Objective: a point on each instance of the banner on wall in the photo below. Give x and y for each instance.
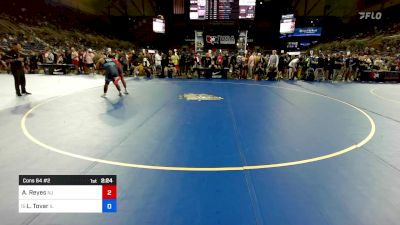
(219, 40)
(307, 31)
(198, 41)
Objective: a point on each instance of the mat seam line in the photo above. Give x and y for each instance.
(382, 160)
(246, 173)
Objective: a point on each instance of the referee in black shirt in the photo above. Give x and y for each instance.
(16, 61)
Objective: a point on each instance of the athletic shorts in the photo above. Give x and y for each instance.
(111, 77)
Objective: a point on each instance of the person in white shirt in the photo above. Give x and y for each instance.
(157, 62)
(49, 56)
(293, 67)
(252, 63)
(88, 57)
(378, 63)
(273, 62)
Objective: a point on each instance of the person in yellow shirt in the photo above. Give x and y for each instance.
(175, 60)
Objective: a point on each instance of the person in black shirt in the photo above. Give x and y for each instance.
(233, 60)
(354, 67)
(133, 63)
(319, 73)
(329, 62)
(182, 63)
(164, 64)
(282, 64)
(209, 72)
(225, 60)
(189, 64)
(16, 60)
(33, 63)
(68, 57)
(337, 67)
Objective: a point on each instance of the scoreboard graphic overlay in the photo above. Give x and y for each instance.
(67, 193)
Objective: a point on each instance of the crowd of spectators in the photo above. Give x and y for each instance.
(328, 65)
(310, 65)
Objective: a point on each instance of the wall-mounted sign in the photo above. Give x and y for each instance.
(220, 39)
(306, 31)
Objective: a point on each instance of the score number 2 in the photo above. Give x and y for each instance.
(109, 191)
(109, 198)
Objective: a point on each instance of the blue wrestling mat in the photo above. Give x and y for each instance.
(219, 152)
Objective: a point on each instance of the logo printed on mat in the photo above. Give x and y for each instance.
(199, 97)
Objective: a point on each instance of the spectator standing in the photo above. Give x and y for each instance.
(196, 63)
(164, 63)
(182, 62)
(48, 59)
(207, 60)
(133, 62)
(189, 64)
(88, 57)
(3, 64)
(329, 66)
(293, 67)
(175, 60)
(251, 63)
(157, 62)
(319, 72)
(147, 64)
(68, 57)
(245, 68)
(81, 62)
(273, 64)
(225, 60)
(259, 70)
(49, 56)
(282, 63)
(123, 59)
(60, 58)
(378, 63)
(337, 67)
(219, 60)
(41, 57)
(233, 64)
(33, 62)
(75, 59)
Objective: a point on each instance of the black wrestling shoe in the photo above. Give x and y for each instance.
(18, 94)
(26, 93)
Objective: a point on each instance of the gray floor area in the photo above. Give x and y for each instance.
(44, 87)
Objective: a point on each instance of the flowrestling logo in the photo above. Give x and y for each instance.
(370, 15)
(220, 39)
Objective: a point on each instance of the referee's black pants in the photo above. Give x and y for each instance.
(19, 80)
